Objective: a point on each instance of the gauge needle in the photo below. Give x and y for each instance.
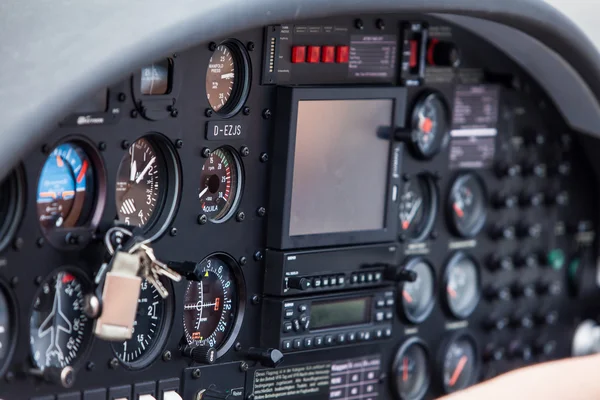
(459, 369)
(202, 193)
(227, 76)
(407, 296)
(413, 212)
(451, 292)
(425, 124)
(405, 369)
(133, 166)
(458, 210)
(145, 171)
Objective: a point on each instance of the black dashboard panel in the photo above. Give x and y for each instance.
(499, 259)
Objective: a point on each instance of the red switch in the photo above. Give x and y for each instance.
(328, 54)
(298, 54)
(342, 54)
(314, 54)
(414, 52)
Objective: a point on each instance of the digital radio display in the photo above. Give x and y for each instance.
(330, 314)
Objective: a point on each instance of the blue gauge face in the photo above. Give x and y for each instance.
(64, 195)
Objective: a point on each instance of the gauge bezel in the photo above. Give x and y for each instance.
(14, 320)
(168, 204)
(14, 184)
(454, 259)
(240, 185)
(165, 328)
(441, 141)
(427, 312)
(431, 211)
(241, 89)
(413, 341)
(60, 238)
(86, 285)
(476, 229)
(442, 357)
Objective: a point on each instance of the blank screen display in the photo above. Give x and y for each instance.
(340, 166)
(330, 314)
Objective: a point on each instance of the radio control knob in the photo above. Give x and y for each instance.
(202, 354)
(507, 170)
(526, 290)
(532, 231)
(270, 358)
(499, 232)
(499, 263)
(299, 283)
(532, 199)
(504, 200)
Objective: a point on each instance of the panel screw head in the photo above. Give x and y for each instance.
(250, 46)
(18, 244)
(246, 111)
(264, 157)
(380, 24)
(45, 149)
(405, 177)
(90, 366)
(114, 363)
(9, 377)
(40, 242)
(238, 346)
(243, 366)
(258, 256)
(266, 113)
(174, 113)
(167, 356)
(125, 144)
(433, 235)
(202, 219)
(208, 112)
(255, 299)
(240, 216)
(179, 143)
(134, 114)
(38, 280)
(173, 232)
(14, 282)
(101, 146)
(122, 97)
(196, 373)
(243, 260)
(212, 46)
(358, 24)
(261, 212)
(244, 151)
(206, 152)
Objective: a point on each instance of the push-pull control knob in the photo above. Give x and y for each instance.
(493, 353)
(64, 377)
(395, 274)
(527, 260)
(270, 358)
(504, 200)
(560, 199)
(547, 318)
(497, 262)
(442, 54)
(201, 354)
(534, 199)
(502, 232)
(493, 293)
(299, 283)
(526, 290)
(507, 170)
(529, 230)
(493, 323)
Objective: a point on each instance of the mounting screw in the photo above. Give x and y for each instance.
(261, 211)
(40, 242)
(202, 219)
(90, 366)
(246, 110)
(238, 346)
(38, 280)
(258, 256)
(250, 397)
(122, 97)
(206, 152)
(134, 114)
(358, 24)
(125, 144)
(380, 24)
(101, 146)
(250, 46)
(405, 177)
(208, 112)
(255, 299)
(173, 231)
(402, 238)
(167, 356)
(174, 113)
(243, 260)
(266, 113)
(114, 363)
(433, 235)
(264, 157)
(243, 366)
(179, 143)
(18, 244)
(212, 46)
(9, 377)
(240, 216)
(45, 149)
(14, 282)
(244, 151)
(196, 373)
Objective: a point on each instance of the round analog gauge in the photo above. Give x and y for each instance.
(467, 205)
(150, 328)
(418, 204)
(59, 329)
(227, 78)
(429, 125)
(462, 285)
(460, 364)
(66, 190)
(11, 208)
(7, 329)
(418, 296)
(411, 368)
(210, 310)
(220, 185)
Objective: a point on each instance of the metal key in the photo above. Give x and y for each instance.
(152, 269)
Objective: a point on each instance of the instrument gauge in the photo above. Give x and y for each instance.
(150, 329)
(220, 185)
(462, 285)
(60, 331)
(213, 308)
(411, 369)
(417, 209)
(430, 125)
(418, 296)
(467, 205)
(460, 364)
(227, 78)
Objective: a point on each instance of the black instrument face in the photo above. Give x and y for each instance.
(467, 205)
(411, 369)
(418, 296)
(462, 285)
(220, 185)
(460, 365)
(430, 123)
(211, 306)
(60, 331)
(149, 329)
(141, 184)
(418, 204)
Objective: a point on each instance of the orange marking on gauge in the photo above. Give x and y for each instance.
(458, 370)
(59, 161)
(82, 172)
(67, 193)
(48, 194)
(451, 292)
(405, 225)
(458, 210)
(427, 125)
(196, 336)
(217, 303)
(407, 296)
(405, 369)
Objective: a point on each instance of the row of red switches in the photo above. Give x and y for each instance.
(316, 54)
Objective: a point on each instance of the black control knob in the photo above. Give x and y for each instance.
(533, 137)
(443, 54)
(493, 353)
(504, 200)
(522, 321)
(559, 199)
(563, 168)
(546, 317)
(553, 288)
(494, 293)
(505, 169)
(299, 283)
(497, 262)
(525, 230)
(526, 290)
(537, 169)
(394, 274)
(535, 199)
(64, 377)
(527, 260)
(544, 347)
(502, 232)
(270, 358)
(202, 354)
(495, 324)
(521, 352)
